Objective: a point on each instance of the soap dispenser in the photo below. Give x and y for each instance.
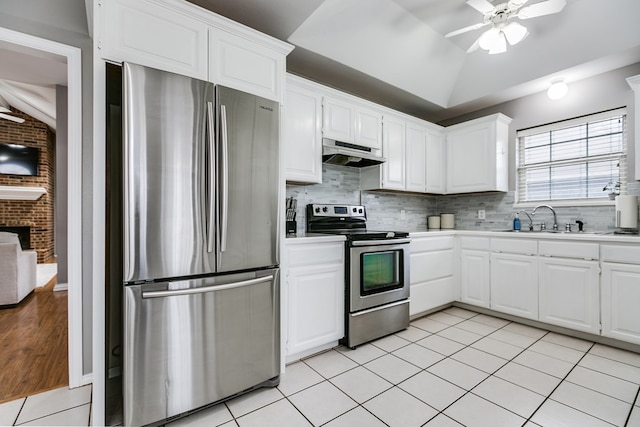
(516, 222)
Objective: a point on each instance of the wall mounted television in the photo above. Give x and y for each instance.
(18, 160)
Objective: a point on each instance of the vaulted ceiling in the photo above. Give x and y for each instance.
(394, 51)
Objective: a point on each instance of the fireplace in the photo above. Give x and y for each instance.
(23, 232)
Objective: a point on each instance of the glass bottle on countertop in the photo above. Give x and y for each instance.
(516, 222)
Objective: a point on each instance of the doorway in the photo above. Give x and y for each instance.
(72, 56)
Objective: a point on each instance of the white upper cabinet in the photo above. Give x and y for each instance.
(477, 155)
(155, 34)
(347, 121)
(247, 65)
(435, 163)
(302, 132)
(179, 37)
(416, 157)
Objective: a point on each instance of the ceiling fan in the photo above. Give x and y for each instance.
(5, 112)
(495, 39)
(4, 115)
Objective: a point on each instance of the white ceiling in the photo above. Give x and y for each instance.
(394, 52)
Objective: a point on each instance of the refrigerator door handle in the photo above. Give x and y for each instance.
(211, 176)
(215, 288)
(224, 196)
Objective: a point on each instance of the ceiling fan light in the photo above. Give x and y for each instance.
(499, 45)
(515, 33)
(558, 89)
(489, 38)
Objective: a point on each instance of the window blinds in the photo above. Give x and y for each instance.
(573, 159)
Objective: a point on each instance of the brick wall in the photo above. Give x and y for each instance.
(37, 214)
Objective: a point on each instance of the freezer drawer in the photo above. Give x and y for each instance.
(194, 342)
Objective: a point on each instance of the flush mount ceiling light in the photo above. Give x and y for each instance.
(558, 89)
(502, 31)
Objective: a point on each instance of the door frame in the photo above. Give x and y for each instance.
(74, 189)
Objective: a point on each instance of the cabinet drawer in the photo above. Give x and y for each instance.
(431, 265)
(515, 246)
(628, 254)
(315, 254)
(477, 243)
(579, 250)
(428, 244)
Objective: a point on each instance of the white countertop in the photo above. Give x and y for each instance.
(594, 237)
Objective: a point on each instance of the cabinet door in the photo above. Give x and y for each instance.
(514, 284)
(416, 158)
(316, 306)
(337, 120)
(474, 277)
(470, 159)
(620, 301)
(368, 127)
(245, 65)
(435, 164)
(302, 137)
(394, 150)
(569, 293)
(150, 34)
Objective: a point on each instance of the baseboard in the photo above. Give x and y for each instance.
(61, 287)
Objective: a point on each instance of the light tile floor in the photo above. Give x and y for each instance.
(452, 368)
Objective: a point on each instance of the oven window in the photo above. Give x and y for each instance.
(380, 271)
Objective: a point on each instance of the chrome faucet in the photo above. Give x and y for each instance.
(530, 219)
(555, 219)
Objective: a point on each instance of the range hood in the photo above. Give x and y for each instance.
(347, 154)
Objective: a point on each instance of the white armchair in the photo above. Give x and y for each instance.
(17, 270)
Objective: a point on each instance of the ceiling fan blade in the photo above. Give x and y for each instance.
(515, 4)
(4, 109)
(482, 6)
(12, 118)
(465, 29)
(474, 46)
(543, 8)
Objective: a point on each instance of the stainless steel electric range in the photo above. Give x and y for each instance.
(376, 272)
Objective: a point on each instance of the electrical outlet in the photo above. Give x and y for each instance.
(482, 214)
(402, 214)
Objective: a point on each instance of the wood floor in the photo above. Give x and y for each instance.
(33, 345)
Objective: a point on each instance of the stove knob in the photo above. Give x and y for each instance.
(355, 210)
(325, 209)
(317, 210)
(360, 210)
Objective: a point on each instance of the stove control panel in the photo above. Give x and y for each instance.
(338, 211)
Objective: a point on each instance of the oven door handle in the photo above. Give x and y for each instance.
(380, 242)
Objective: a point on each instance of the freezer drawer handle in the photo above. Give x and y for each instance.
(191, 291)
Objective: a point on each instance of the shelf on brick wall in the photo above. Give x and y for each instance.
(21, 193)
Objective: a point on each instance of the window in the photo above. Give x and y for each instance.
(573, 159)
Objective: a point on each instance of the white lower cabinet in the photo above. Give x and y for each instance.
(569, 293)
(432, 273)
(621, 292)
(314, 289)
(514, 284)
(475, 271)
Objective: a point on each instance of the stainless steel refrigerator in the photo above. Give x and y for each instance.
(201, 309)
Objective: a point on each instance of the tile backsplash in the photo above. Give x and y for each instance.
(341, 185)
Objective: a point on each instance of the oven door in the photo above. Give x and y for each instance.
(378, 273)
